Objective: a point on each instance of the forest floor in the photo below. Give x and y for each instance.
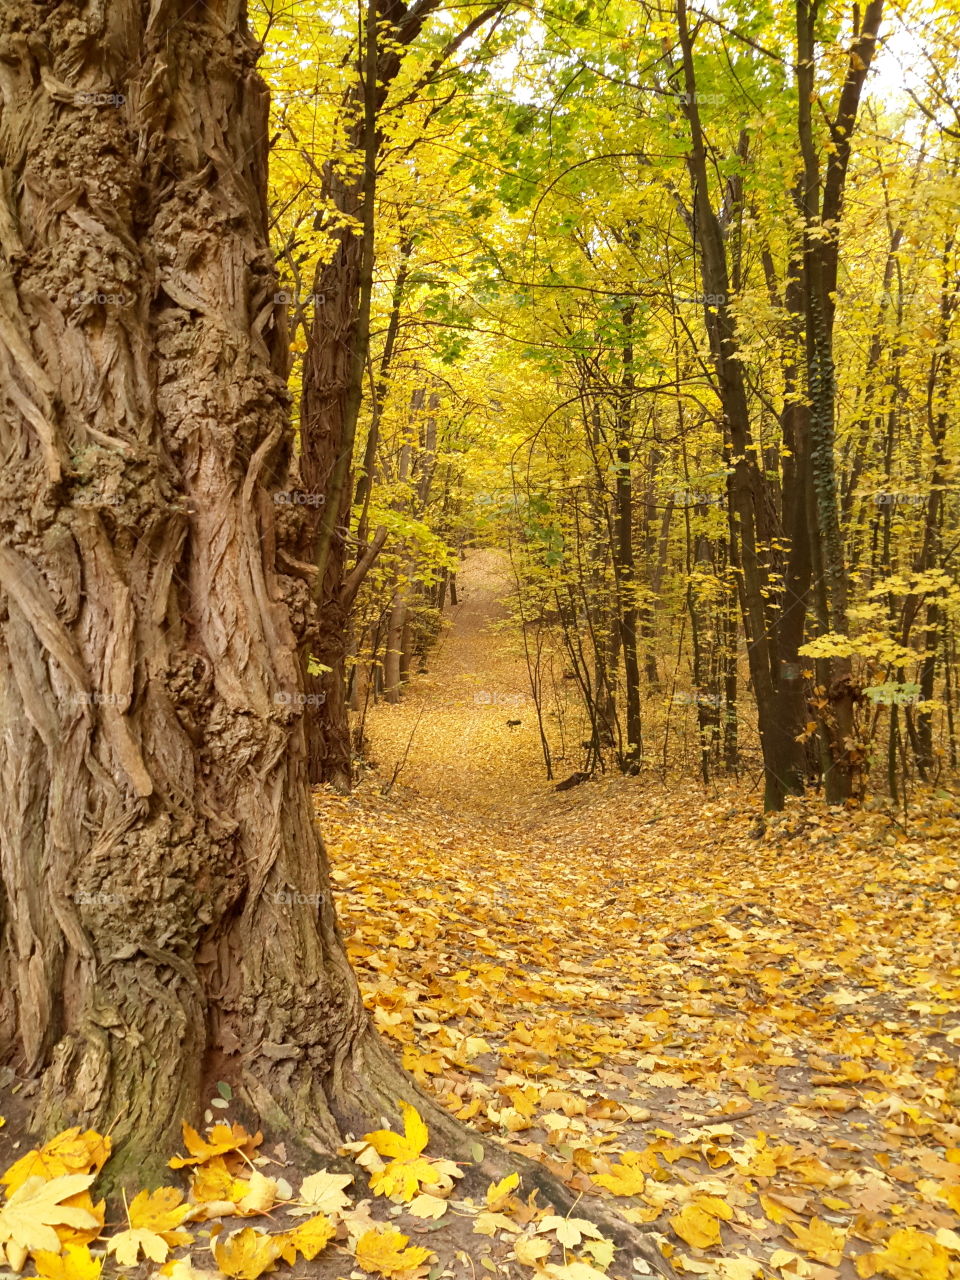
(745, 1039)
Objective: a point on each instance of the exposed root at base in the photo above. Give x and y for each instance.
(368, 1087)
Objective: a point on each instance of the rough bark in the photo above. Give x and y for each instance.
(165, 899)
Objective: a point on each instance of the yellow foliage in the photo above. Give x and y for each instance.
(385, 1253)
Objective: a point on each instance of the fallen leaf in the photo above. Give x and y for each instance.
(31, 1213)
(75, 1263)
(247, 1254)
(384, 1253)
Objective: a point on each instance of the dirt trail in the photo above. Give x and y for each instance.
(452, 723)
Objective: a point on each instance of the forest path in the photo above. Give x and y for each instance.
(749, 1042)
(450, 731)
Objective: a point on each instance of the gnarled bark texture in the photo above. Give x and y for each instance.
(165, 903)
(165, 912)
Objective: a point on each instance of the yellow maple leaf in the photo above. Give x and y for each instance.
(427, 1206)
(31, 1213)
(403, 1146)
(154, 1218)
(220, 1139)
(126, 1246)
(622, 1180)
(647, 1160)
(776, 1212)
(499, 1193)
(322, 1193)
(384, 1253)
(402, 1179)
(532, 1252)
(407, 1170)
(488, 1224)
(69, 1152)
(247, 1255)
(260, 1195)
(713, 1205)
(161, 1211)
(820, 1241)
(215, 1190)
(75, 1263)
(308, 1239)
(696, 1227)
(912, 1255)
(84, 1235)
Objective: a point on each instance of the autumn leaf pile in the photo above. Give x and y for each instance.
(50, 1223)
(748, 1043)
(48, 1219)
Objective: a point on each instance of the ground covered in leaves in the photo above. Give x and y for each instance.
(743, 1039)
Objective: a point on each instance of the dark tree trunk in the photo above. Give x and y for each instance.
(820, 201)
(165, 901)
(752, 523)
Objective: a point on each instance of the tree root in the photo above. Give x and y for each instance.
(376, 1083)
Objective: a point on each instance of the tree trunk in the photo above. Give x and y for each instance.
(820, 200)
(752, 527)
(624, 559)
(165, 905)
(393, 656)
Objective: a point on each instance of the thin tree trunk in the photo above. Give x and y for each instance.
(624, 559)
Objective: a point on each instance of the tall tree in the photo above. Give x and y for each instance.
(165, 907)
(338, 344)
